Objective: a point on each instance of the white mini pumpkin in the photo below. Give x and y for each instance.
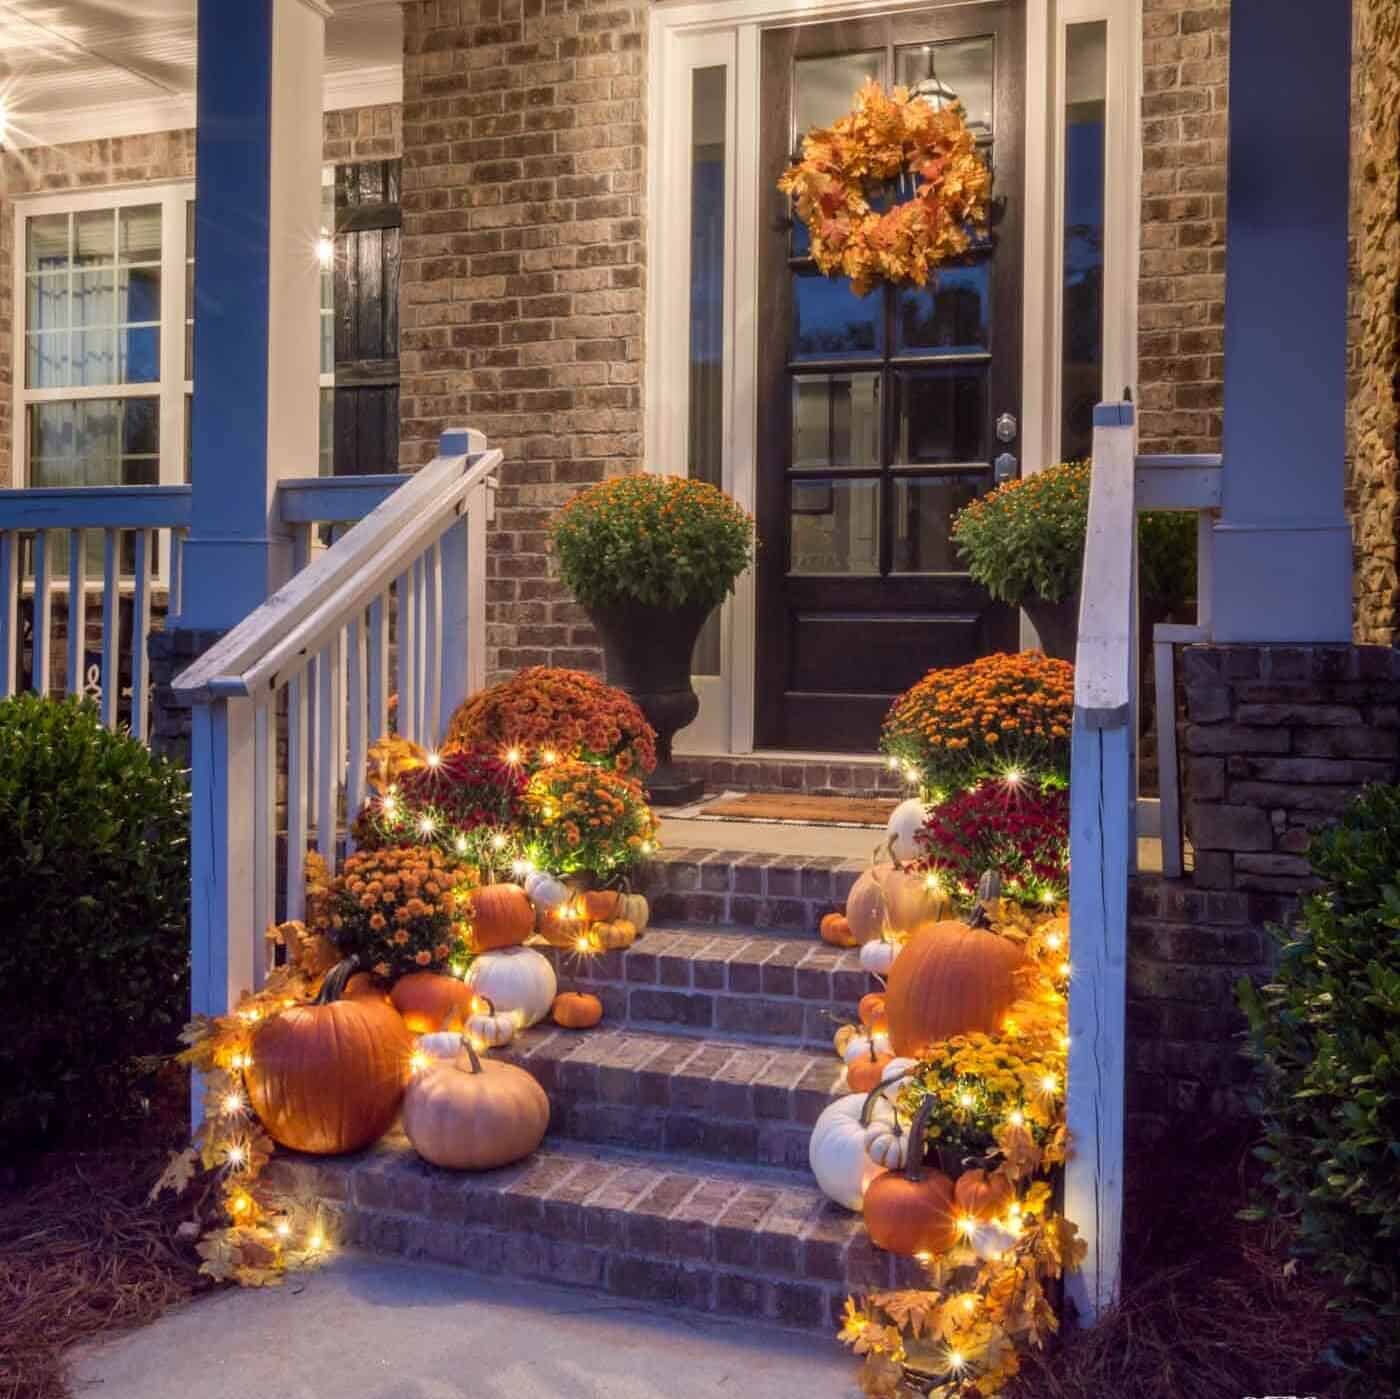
(990, 1240)
(878, 957)
(517, 981)
(488, 1027)
(441, 1044)
(886, 1137)
(545, 891)
(906, 821)
(859, 1046)
(837, 1153)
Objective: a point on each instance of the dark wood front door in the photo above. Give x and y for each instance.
(878, 415)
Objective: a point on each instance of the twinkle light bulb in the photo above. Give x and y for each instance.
(1050, 1083)
(427, 825)
(325, 251)
(434, 759)
(498, 841)
(316, 1242)
(1054, 941)
(417, 1061)
(965, 1100)
(1047, 897)
(240, 1204)
(549, 756)
(1064, 969)
(1017, 1118)
(1013, 777)
(512, 756)
(967, 1225)
(460, 845)
(284, 1229)
(522, 869)
(237, 1154)
(233, 1104)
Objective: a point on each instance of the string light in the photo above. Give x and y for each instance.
(1054, 941)
(284, 1229)
(498, 841)
(316, 1242)
(434, 759)
(892, 764)
(522, 869)
(1050, 1084)
(967, 1225)
(966, 1099)
(460, 845)
(389, 806)
(513, 756)
(236, 1155)
(933, 884)
(924, 1257)
(1047, 897)
(325, 251)
(417, 1061)
(1013, 777)
(240, 1204)
(426, 825)
(233, 1104)
(1064, 969)
(1017, 1118)
(549, 756)
(957, 1362)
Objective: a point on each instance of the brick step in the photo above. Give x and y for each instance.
(707, 1098)
(820, 775)
(748, 889)
(771, 990)
(733, 1241)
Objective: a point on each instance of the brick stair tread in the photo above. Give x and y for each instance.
(724, 1239)
(721, 1099)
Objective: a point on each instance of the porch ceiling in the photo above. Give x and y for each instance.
(66, 56)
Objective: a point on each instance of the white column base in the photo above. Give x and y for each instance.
(1281, 583)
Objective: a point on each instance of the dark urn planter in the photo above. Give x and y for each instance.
(1056, 624)
(647, 651)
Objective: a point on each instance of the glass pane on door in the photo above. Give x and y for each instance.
(835, 527)
(942, 416)
(963, 68)
(923, 508)
(835, 421)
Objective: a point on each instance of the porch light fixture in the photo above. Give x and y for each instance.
(325, 255)
(932, 88)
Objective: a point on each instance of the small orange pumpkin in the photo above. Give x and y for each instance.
(981, 1195)
(428, 1000)
(600, 905)
(865, 1073)
(872, 1011)
(912, 1211)
(837, 931)
(576, 1010)
(501, 916)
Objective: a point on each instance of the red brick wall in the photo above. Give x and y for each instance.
(523, 277)
(358, 134)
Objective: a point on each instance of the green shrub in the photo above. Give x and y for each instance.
(1026, 540)
(94, 908)
(1324, 1035)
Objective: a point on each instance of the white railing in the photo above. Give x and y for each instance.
(312, 664)
(141, 530)
(1106, 817)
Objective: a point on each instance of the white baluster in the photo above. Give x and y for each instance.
(328, 719)
(453, 665)
(298, 780)
(9, 612)
(301, 547)
(356, 703)
(140, 630)
(77, 610)
(111, 625)
(378, 676)
(43, 611)
(432, 646)
(407, 626)
(264, 835)
(478, 505)
(313, 741)
(420, 668)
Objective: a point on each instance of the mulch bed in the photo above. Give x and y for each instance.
(83, 1253)
(1211, 1308)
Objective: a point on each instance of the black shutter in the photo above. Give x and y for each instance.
(368, 223)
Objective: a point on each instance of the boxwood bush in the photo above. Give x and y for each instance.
(1324, 1035)
(94, 919)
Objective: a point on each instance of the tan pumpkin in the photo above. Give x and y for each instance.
(599, 905)
(428, 1000)
(328, 1077)
(837, 931)
(501, 916)
(612, 936)
(634, 909)
(912, 1211)
(466, 1114)
(890, 898)
(950, 979)
(575, 1010)
(982, 1196)
(843, 1037)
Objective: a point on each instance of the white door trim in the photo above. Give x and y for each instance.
(685, 34)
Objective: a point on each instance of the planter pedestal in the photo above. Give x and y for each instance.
(647, 651)
(1056, 624)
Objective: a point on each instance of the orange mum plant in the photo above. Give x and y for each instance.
(584, 818)
(1000, 715)
(886, 136)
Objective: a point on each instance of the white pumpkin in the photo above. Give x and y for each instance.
(906, 821)
(517, 981)
(886, 1137)
(859, 1046)
(488, 1027)
(878, 957)
(837, 1153)
(545, 891)
(441, 1044)
(990, 1240)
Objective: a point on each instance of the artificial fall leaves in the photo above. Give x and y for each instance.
(884, 137)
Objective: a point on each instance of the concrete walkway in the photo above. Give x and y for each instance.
(369, 1328)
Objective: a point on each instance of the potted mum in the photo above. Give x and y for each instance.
(650, 557)
(1024, 542)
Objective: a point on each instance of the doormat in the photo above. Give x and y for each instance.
(792, 809)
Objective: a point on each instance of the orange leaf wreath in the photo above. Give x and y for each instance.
(884, 136)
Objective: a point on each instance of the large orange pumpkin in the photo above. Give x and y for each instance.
(951, 979)
(327, 1077)
(501, 916)
(428, 1000)
(912, 1211)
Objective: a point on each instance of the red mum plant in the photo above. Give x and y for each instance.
(1010, 825)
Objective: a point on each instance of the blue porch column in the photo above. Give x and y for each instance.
(257, 296)
(1283, 560)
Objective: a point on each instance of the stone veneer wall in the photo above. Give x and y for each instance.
(523, 278)
(363, 133)
(1374, 358)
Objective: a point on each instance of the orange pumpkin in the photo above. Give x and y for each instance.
(912, 1211)
(613, 936)
(362, 985)
(575, 1010)
(872, 1011)
(501, 916)
(951, 979)
(981, 1195)
(556, 929)
(865, 1073)
(327, 1077)
(837, 931)
(428, 1000)
(599, 905)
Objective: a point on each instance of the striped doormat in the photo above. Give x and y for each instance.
(792, 808)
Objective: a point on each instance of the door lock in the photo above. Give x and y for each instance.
(1007, 427)
(1005, 467)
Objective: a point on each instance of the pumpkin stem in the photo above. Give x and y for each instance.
(334, 983)
(490, 1004)
(914, 1166)
(869, 1105)
(473, 1065)
(988, 892)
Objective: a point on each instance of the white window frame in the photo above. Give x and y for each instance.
(686, 34)
(172, 385)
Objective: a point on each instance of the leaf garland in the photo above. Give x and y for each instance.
(843, 166)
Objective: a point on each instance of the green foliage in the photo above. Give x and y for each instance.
(1324, 1034)
(94, 903)
(1026, 540)
(663, 540)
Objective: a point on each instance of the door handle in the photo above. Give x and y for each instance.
(1006, 468)
(1007, 427)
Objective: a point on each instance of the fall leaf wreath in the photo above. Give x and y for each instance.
(885, 136)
